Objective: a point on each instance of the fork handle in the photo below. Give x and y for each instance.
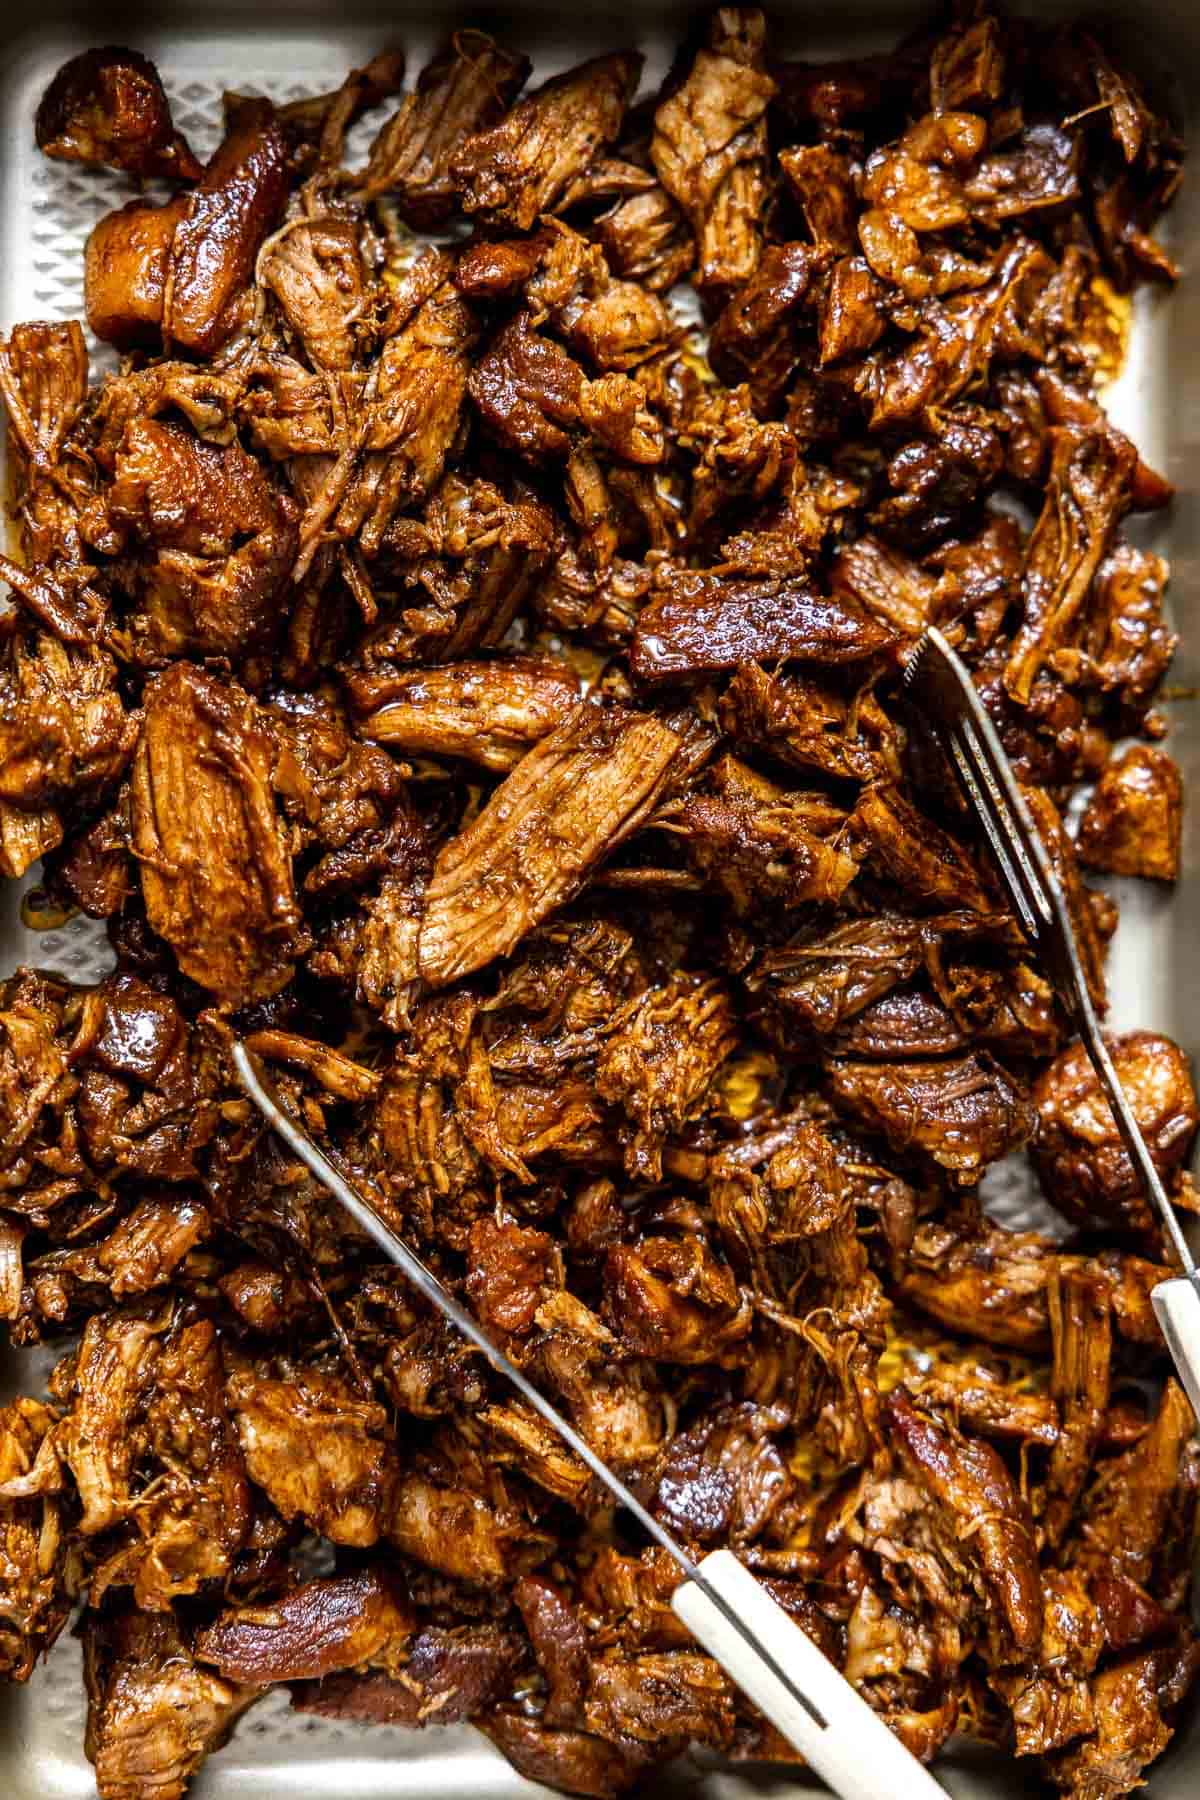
(852, 1750)
(1176, 1306)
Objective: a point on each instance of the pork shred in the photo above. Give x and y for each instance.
(459, 651)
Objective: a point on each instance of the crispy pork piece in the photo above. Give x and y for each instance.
(484, 712)
(35, 1557)
(219, 540)
(709, 148)
(513, 173)
(698, 621)
(976, 1501)
(613, 325)
(811, 723)
(108, 107)
(575, 796)
(660, 1060)
(153, 1713)
(337, 1622)
(963, 1114)
(216, 872)
(1134, 821)
(233, 206)
(126, 266)
(528, 391)
(725, 1479)
(44, 382)
(1080, 1158)
(318, 1451)
(1129, 644)
(1052, 1703)
(447, 1676)
(574, 1762)
(461, 93)
(665, 1699)
(143, 1252)
(1087, 493)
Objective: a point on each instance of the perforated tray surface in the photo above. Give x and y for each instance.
(286, 51)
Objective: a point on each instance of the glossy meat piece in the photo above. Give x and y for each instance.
(153, 1713)
(974, 1493)
(1081, 1160)
(724, 1480)
(1052, 1703)
(219, 541)
(33, 1546)
(233, 206)
(447, 1676)
(575, 796)
(1133, 822)
(464, 90)
(318, 1452)
(671, 1300)
(646, 238)
(810, 724)
(1125, 1511)
(108, 106)
(460, 1533)
(659, 1061)
(143, 1252)
(828, 978)
(964, 1114)
(1129, 644)
(1087, 493)
(510, 1272)
(44, 382)
(574, 1762)
(889, 585)
(528, 391)
(1129, 1701)
(485, 712)
(216, 873)
(822, 182)
(752, 340)
(514, 172)
(709, 148)
(613, 325)
(698, 621)
(665, 1700)
(337, 1622)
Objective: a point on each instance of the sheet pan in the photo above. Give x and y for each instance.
(288, 48)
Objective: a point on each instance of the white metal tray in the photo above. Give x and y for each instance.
(289, 48)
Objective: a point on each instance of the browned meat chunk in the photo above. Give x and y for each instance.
(1134, 821)
(709, 148)
(924, 862)
(1124, 1515)
(571, 800)
(108, 106)
(228, 214)
(646, 238)
(1081, 1159)
(318, 1452)
(340, 1622)
(659, 1061)
(757, 842)
(216, 873)
(701, 620)
(485, 712)
(752, 340)
(153, 1713)
(514, 172)
(528, 391)
(572, 1761)
(671, 1300)
(977, 1501)
(220, 541)
(964, 1114)
(462, 92)
(828, 978)
(447, 1676)
(1129, 1700)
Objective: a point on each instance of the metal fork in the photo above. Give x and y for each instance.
(940, 683)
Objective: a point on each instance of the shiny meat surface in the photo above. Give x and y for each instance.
(458, 652)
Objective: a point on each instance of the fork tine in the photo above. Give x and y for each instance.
(1027, 902)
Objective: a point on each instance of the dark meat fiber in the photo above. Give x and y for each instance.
(469, 670)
